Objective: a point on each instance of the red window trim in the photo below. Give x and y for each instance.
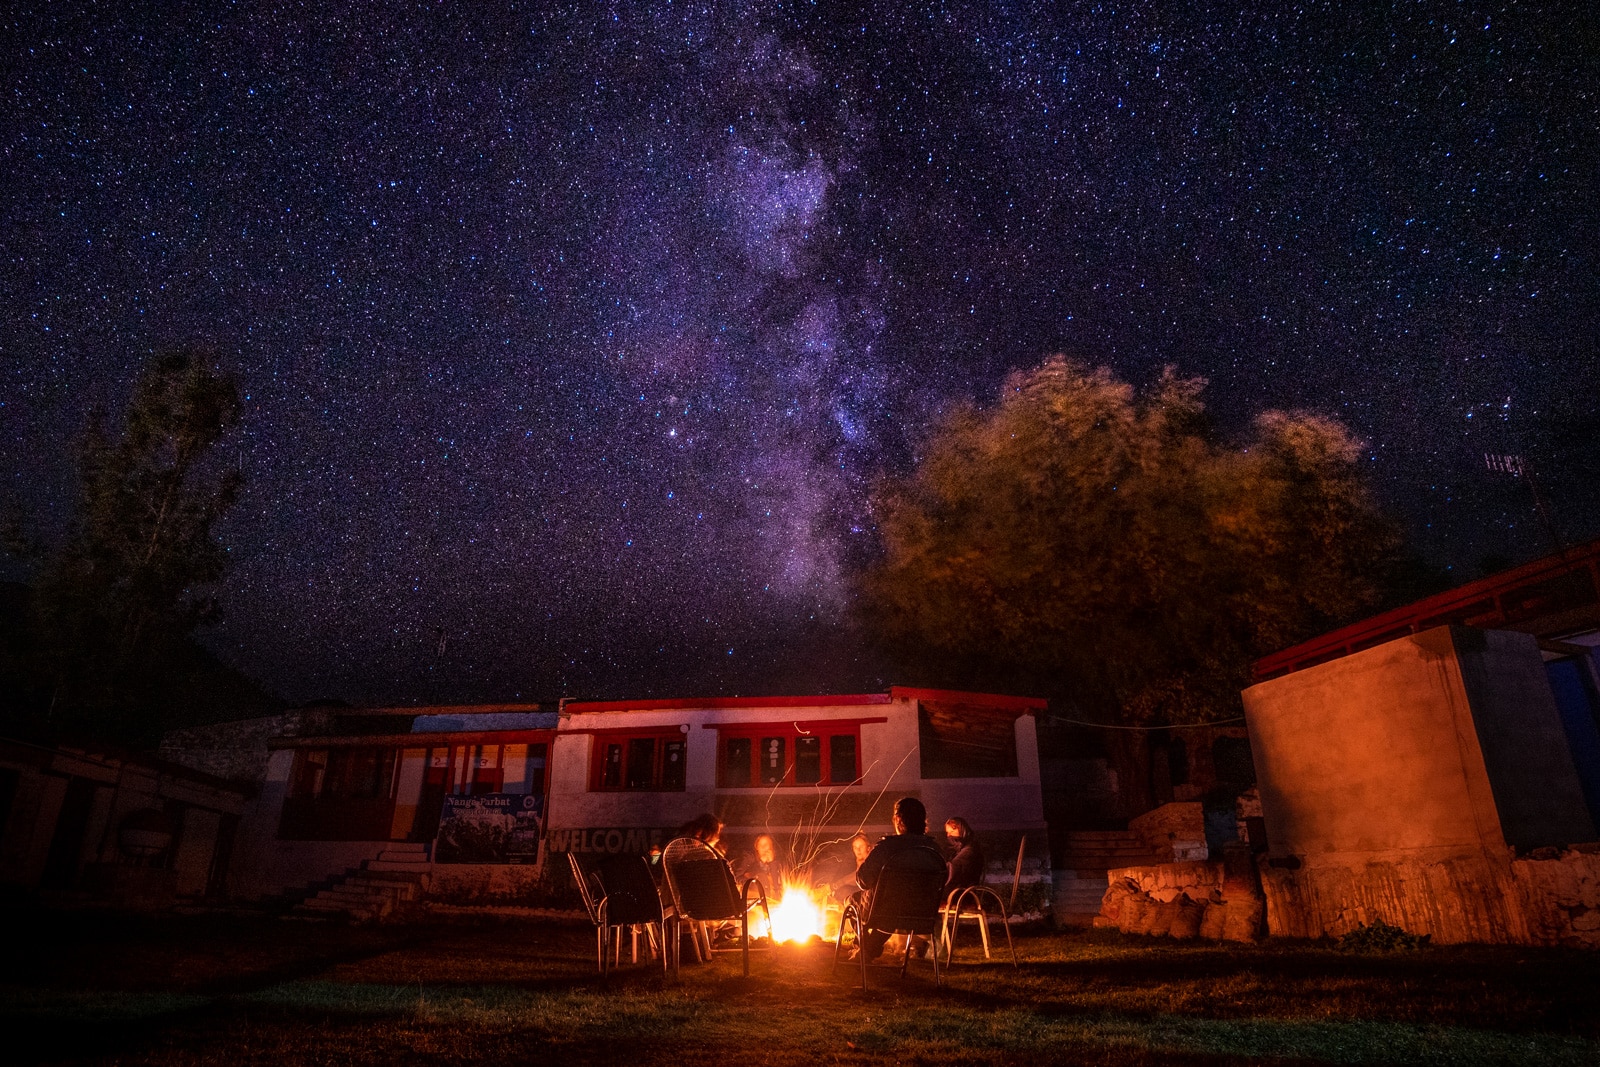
(790, 731)
(597, 757)
(805, 725)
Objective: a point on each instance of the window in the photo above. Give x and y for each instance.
(736, 761)
(643, 761)
(788, 754)
(343, 773)
(484, 768)
(966, 741)
(522, 769)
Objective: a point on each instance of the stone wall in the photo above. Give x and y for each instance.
(1551, 897)
(236, 750)
(1175, 832)
(1211, 900)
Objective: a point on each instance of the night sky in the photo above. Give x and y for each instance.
(572, 338)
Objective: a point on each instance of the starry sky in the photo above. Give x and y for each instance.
(572, 337)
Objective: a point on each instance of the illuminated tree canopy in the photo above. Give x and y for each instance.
(1084, 540)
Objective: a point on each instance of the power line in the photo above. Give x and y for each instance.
(1172, 726)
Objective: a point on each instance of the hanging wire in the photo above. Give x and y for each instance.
(1172, 726)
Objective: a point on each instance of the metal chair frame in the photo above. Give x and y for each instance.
(969, 903)
(905, 900)
(597, 901)
(704, 891)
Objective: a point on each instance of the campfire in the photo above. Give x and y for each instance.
(798, 915)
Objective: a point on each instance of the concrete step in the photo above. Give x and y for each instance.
(319, 904)
(1075, 901)
(350, 895)
(355, 909)
(367, 876)
(399, 866)
(405, 848)
(1077, 896)
(393, 855)
(369, 893)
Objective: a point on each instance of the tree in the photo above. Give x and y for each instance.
(1093, 544)
(115, 606)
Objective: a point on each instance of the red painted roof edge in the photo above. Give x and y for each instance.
(1428, 607)
(715, 703)
(958, 696)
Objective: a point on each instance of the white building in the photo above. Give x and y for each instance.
(810, 770)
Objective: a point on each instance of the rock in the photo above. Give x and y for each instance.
(1134, 916)
(1243, 922)
(1212, 922)
(1161, 919)
(1187, 919)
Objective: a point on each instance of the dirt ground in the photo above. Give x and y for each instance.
(102, 988)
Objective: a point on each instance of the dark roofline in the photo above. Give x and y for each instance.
(356, 711)
(106, 755)
(834, 700)
(1490, 603)
(424, 740)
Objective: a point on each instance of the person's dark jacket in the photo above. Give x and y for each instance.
(867, 873)
(966, 869)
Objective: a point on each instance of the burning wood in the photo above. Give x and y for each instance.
(798, 915)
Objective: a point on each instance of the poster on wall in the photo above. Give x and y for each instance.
(490, 828)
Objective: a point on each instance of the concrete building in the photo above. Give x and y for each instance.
(355, 804)
(810, 770)
(363, 810)
(1440, 778)
(92, 822)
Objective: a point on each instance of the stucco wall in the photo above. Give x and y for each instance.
(1531, 770)
(888, 760)
(890, 768)
(1399, 783)
(1383, 750)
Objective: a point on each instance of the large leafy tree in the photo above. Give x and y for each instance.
(1089, 542)
(115, 606)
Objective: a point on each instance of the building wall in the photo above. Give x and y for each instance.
(889, 764)
(264, 866)
(1396, 782)
(1531, 770)
(578, 819)
(118, 786)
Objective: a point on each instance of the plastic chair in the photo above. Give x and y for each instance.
(905, 900)
(980, 902)
(704, 891)
(620, 895)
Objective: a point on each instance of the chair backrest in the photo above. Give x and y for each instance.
(622, 882)
(631, 894)
(583, 873)
(700, 880)
(1016, 877)
(909, 892)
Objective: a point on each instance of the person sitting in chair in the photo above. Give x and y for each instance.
(765, 866)
(966, 866)
(910, 831)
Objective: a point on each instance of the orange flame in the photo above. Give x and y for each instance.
(797, 916)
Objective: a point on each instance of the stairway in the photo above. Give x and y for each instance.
(375, 890)
(1081, 865)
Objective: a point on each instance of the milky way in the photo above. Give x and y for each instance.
(574, 338)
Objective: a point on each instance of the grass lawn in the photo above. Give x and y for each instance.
(100, 988)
